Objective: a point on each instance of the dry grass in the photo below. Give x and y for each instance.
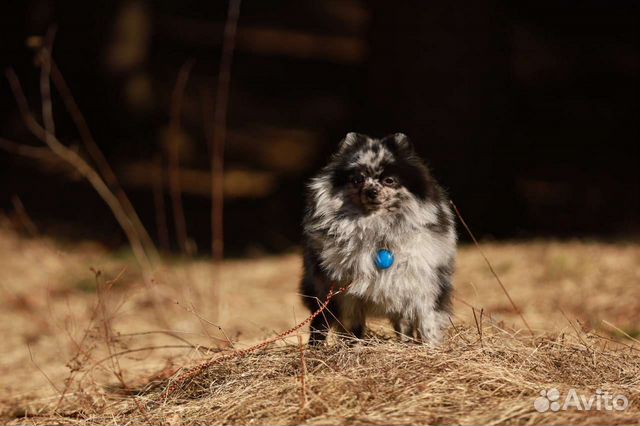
(112, 357)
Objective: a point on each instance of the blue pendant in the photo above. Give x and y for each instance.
(384, 259)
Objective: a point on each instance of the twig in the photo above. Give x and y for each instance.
(631, 347)
(216, 137)
(198, 369)
(98, 157)
(173, 149)
(504, 289)
(142, 349)
(303, 371)
(23, 216)
(79, 350)
(109, 341)
(575, 329)
(25, 150)
(158, 201)
(458, 332)
(464, 302)
(45, 83)
(169, 333)
(203, 321)
(50, 139)
(219, 130)
(77, 162)
(475, 318)
(481, 326)
(41, 370)
(79, 345)
(619, 330)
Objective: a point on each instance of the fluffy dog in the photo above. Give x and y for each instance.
(378, 223)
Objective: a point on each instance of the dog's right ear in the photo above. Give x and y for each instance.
(350, 140)
(399, 140)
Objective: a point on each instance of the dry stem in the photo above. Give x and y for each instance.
(78, 163)
(99, 159)
(219, 130)
(174, 157)
(504, 289)
(217, 141)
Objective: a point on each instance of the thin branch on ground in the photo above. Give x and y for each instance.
(621, 331)
(303, 371)
(53, 385)
(109, 339)
(192, 310)
(200, 368)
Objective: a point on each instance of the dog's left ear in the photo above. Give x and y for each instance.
(399, 140)
(350, 140)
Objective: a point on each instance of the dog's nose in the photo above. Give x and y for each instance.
(371, 193)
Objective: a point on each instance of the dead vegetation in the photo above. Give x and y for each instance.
(76, 352)
(381, 382)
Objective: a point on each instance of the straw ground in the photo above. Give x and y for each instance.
(83, 342)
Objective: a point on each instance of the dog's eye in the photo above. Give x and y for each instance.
(389, 181)
(357, 179)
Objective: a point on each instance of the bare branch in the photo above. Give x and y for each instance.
(158, 201)
(45, 83)
(174, 156)
(24, 150)
(23, 216)
(98, 157)
(220, 129)
(77, 162)
(217, 141)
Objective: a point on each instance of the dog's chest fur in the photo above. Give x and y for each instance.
(347, 245)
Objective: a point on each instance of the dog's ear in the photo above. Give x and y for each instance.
(398, 140)
(350, 140)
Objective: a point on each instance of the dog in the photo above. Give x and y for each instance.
(378, 224)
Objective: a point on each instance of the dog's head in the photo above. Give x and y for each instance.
(379, 175)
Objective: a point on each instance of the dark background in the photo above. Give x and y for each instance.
(527, 112)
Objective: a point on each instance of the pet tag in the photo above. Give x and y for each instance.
(384, 259)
